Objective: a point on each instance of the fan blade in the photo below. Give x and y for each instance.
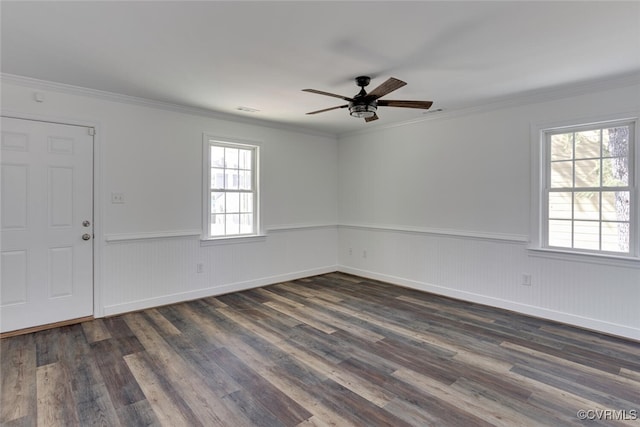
(329, 109)
(372, 118)
(387, 87)
(425, 105)
(319, 92)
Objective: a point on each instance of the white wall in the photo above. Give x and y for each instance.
(148, 248)
(444, 205)
(441, 205)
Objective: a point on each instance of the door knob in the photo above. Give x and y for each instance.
(86, 236)
(86, 223)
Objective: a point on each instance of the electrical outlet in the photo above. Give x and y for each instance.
(364, 254)
(526, 279)
(350, 251)
(199, 268)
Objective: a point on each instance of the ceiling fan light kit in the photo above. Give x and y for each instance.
(365, 105)
(362, 111)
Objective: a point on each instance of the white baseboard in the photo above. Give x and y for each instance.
(567, 318)
(212, 291)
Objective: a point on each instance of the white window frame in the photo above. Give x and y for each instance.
(540, 177)
(209, 140)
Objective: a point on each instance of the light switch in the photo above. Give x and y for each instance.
(117, 198)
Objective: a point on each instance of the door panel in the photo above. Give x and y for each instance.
(14, 277)
(47, 192)
(14, 196)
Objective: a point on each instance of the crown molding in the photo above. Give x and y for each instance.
(150, 103)
(525, 98)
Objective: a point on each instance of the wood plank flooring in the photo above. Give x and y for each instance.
(330, 350)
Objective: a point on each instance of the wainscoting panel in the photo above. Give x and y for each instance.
(592, 293)
(142, 272)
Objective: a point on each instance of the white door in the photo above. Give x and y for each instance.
(46, 223)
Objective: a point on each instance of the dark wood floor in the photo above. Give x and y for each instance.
(328, 350)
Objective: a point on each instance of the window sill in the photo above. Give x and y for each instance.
(589, 258)
(215, 241)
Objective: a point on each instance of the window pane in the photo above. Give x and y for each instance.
(615, 172)
(562, 146)
(586, 235)
(217, 225)
(246, 223)
(232, 179)
(615, 142)
(217, 178)
(587, 173)
(560, 233)
(615, 205)
(245, 159)
(587, 144)
(615, 236)
(246, 202)
(245, 180)
(233, 203)
(562, 174)
(560, 205)
(217, 157)
(231, 157)
(587, 205)
(232, 224)
(217, 203)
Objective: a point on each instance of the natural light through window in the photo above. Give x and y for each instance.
(589, 188)
(232, 189)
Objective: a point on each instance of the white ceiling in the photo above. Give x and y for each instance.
(219, 55)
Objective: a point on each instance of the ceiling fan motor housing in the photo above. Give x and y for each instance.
(362, 101)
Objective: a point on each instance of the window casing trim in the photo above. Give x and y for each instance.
(207, 141)
(539, 180)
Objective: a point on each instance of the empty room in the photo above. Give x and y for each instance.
(320, 213)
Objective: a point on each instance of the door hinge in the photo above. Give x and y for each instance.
(92, 131)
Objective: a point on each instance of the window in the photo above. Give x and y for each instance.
(589, 189)
(231, 188)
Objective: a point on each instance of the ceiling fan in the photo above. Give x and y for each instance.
(365, 105)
